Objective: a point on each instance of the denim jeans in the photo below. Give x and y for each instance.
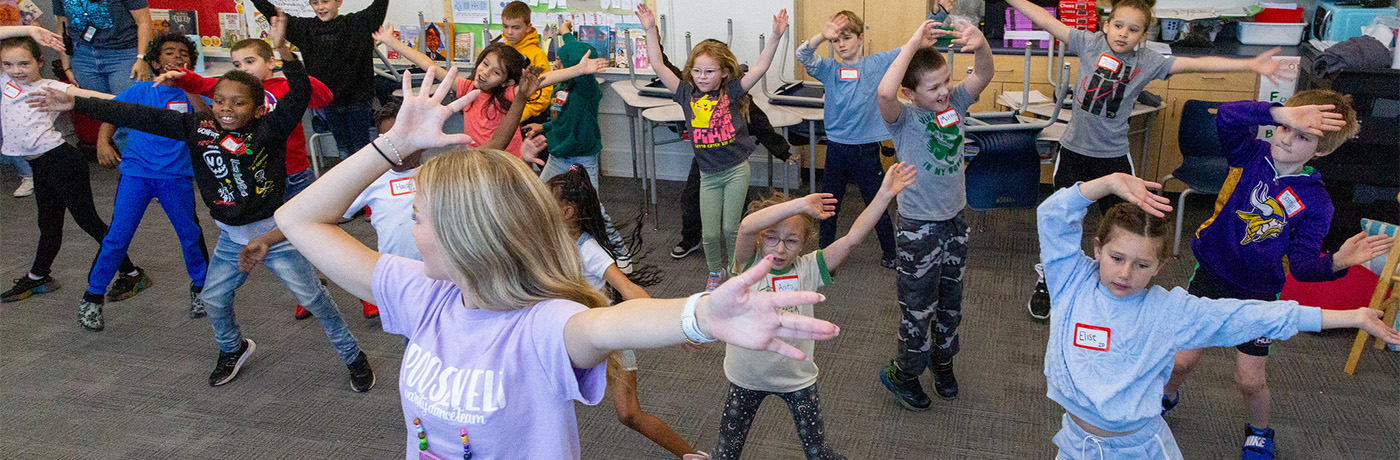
(21, 165)
(295, 272)
(847, 163)
(105, 71)
(296, 182)
(352, 125)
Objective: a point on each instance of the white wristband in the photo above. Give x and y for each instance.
(689, 326)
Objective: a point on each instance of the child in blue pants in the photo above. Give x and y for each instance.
(152, 167)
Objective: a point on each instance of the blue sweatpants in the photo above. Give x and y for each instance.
(133, 195)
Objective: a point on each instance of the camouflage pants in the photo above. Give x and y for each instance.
(932, 257)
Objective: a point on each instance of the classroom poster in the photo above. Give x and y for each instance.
(1279, 90)
(19, 13)
(434, 41)
(174, 21)
(409, 34)
(231, 29)
(464, 47)
(470, 11)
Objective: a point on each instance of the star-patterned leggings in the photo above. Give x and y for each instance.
(742, 403)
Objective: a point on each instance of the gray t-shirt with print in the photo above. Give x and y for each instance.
(933, 143)
(1108, 87)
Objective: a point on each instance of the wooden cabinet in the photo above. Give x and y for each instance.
(888, 23)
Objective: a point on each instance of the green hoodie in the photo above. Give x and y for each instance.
(575, 133)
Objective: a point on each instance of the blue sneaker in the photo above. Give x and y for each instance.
(1258, 444)
(907, 389)
(1170, 403)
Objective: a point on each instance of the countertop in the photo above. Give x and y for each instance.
(1228, 47)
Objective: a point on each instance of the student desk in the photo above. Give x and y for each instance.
(636, 103)
(811, 115)
(1045, 109)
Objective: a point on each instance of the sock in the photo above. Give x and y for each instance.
(35, 278)
(134, 272)
(1266, 432)
(92, 298)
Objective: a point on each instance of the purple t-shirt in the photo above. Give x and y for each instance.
(504, 376)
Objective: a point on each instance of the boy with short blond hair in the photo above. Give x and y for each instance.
(1270, 218)
(519, 34)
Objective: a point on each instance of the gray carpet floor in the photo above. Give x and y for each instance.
(138, 389)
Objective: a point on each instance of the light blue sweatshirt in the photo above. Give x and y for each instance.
(851, 115)
(1108, 358)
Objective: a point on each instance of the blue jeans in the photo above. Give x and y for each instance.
(105, 71)
(134, 194)
(351, 125)
(296, 182)
(860, 164)
(294, 271)
(21, 165)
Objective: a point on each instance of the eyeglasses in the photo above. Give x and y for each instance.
(770, 240)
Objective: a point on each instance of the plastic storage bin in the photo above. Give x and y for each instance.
(1268, 33)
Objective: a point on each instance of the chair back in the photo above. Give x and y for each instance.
(1203, 164)
(1005, 174)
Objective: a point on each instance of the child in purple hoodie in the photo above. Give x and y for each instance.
(1270, 218)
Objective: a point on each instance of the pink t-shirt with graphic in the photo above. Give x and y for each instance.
(505, 377)
(481, 118)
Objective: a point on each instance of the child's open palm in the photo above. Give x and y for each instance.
(780, 24)
(926, 35)
(278, 33)
(1311, 119)
(832, 29)
(419, 123)
(969, 36)
(1131, 189)
(819, 205)
(385, 35)
(646, 16)
(169, 75)
(753, 320)
(589, 65)
(1360, 248)
(50, 99)
(899, 176)
(1369, 320)
(529, 81)
(1265, 65)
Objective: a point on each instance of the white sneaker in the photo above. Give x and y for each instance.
(26, 187)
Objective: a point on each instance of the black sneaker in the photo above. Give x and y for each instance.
(25, 288)
(196, 306)
(361, 376)
(90, 315)
(683, 249)
(127, 286)
(1039, 303)
(944, 383)
(906, 388)
(226, 368)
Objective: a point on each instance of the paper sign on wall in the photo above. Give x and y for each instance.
(1280, 89)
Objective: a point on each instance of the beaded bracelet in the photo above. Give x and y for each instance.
(392, 146)
(381, 154)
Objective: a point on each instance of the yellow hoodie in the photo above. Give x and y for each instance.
(530, 47)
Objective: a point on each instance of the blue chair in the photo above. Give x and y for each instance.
(1005, 174)
(1203, 165)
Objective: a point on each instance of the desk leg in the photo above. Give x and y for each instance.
(786, 177)
(652, 171)
(812, 155)
(632, 136)
(1146, 146)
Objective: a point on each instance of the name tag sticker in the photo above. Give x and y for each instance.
(785, 283)
(231, 145)
(948, 118)
(402, 186)
(1290, 202)
(12, 91)
(178, 106)
(561, 97)
(1109, 63)
(1091, 337)
(850, 74)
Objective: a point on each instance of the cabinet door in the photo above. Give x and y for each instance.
(1169, 157)
(889, 23)
(809, 16)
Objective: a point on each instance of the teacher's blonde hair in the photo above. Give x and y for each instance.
(501, 229)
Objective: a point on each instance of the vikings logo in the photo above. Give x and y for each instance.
(1268, 222)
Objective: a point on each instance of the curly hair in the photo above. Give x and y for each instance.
(153, 49)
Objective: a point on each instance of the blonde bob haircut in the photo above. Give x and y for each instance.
(501, 229)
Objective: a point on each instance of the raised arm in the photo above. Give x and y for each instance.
(1264, 64)
(817, 205)
(887, 94)
(972, 40)
(586, 66)
(897, 178)
(309, 220)
(287, 115)
(1042, 18)
(733, 314)
(386, 36)
(186, 79)
(648, 20)
(770, 49)
(157, 121)
(39, 34)
(1060, 220)
(529, 83)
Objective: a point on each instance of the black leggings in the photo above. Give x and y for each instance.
(742, 404)
(61, 183)
(1071, 167)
